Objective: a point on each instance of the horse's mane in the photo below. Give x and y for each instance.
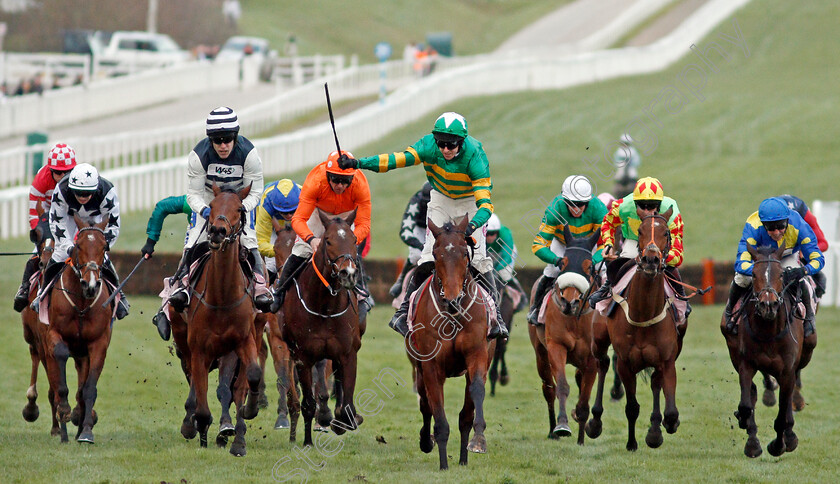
(448, 228)
(766, 250)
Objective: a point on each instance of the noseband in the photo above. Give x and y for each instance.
(82, 271)
(234, 234)
(652, 242)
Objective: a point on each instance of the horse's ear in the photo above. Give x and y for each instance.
(592, 240)
(325, 220)
(101, 225)
(216, 189)
(350, 218)
(244, 192)
(780, 252)
(79, 223)
(276, 224)
(434, 228)
(751, 250)
(668, 213)
(567, 234)
(461, 225)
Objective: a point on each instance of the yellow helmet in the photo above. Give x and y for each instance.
(648, 188)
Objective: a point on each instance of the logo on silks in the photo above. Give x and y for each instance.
(218, 170)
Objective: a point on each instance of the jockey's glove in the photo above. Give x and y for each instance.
(470, 229)
(205, 212)
(149, 248)
(795, 273)
(559, 263)
(345, 162)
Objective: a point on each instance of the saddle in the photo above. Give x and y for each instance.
(426, 286)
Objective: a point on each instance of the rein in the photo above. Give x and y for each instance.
(664, 251)
(755, 298)
(234, 234)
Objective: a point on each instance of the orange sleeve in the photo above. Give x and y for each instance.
(361, 198)
(306, 205)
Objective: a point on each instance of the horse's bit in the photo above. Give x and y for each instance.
(234, 234)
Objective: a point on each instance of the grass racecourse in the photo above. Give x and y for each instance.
(761, 125)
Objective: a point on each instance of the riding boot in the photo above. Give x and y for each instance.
(488, 282)
(399, 322)
(543, 286)
(161, 322)
(735, 293)
(22, 296)
(122, 306)
(290, 268)
(679, 289)
(263, 301)
(602, 293)
(808, 321)
(819, 280)
(180, 298)
(396, 289)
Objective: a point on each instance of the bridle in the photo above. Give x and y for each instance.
(455, 303)
(84, 270)
(780, 300)
(233, 235)
(664, 251)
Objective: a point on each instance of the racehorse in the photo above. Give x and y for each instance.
(220, 318)
(566, 337)
(498, 374)
(771, 339)
(644, 333)
(449, 339)
(321, 320)
(79, 327)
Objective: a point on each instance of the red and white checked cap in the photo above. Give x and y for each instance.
(62, 158)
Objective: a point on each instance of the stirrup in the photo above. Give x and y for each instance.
(264, 302)
(599, 295)
(162, 324)
(731, 325)
(399, 323)
(180, 300)
(21, 298)
(533, 316)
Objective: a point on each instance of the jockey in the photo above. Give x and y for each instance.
(798, 205)
(459, 173)
(503, 253)
(224, 158)
(333, 191)
(627, 162)
(93, 199)
(279, 202)
(648, 198)
(165, 207)
(60, 161)
(576, 208)
(413, 232)
(774, 224)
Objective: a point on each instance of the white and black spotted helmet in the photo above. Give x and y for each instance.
(222, 120)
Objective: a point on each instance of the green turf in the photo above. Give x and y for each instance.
(341, 27)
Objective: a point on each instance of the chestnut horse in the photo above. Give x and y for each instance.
(321, 321)
(644, 333)
(770, 340)
(220, 318)
(79, 327)
(566, 337)
(449, 339)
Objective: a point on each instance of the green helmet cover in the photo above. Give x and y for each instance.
(452, 124)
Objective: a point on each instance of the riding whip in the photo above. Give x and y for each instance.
(117, 290)
(332, 119)
(17, 253)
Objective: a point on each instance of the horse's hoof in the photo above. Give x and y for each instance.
(250, 411)
(671, 425)
(791, 441)
(593, 428)
(323, 420)
(427, 444)
(55, 431)
(654, 438)
(616, 393)
(477, 445)
(237, 449)
(282, 422)
(31, 412)
(798, 401)
(562, 430)
(76, 416)
(188, 430)
(632, 445)
(504, 380)
(776, 447)
(262, 401)
(63, 413)
(769, 398)
(202, 439)
(552, 436)
(226, 429)
(753, 448)
(85, 437)
(359, 419)
(221, 441)
(337, 430)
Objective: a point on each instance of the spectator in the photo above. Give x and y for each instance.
(627, 162)
(232, 11)
(410, 52)
(291, 48)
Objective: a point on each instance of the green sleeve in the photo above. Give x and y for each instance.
(502, 249)
(165, 207)
(389, 161)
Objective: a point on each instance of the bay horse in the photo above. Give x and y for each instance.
(771, 340)
(566, 337)
(220, 319)
(79, 327)
(644, 333)
(321, 321)
(449, 339)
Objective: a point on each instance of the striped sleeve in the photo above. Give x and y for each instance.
(612, 220)
(675, 255)
(390, 161)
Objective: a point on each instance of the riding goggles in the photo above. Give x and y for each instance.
(775, 225)
(340, 179)
(648, 204)
(449, 145)
(82, 193)
(576, 203)
(220, 140)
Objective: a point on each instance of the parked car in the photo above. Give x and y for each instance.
(236, 47)
(129, 51)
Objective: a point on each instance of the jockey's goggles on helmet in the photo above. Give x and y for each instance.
(449, 145)
(775, 225)
(82, 193)
(648, 204)
(339, 179)
(222, 139)
(576, 203)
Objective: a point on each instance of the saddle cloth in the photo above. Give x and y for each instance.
(678, 305)
(44, 305)
(489, 304)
